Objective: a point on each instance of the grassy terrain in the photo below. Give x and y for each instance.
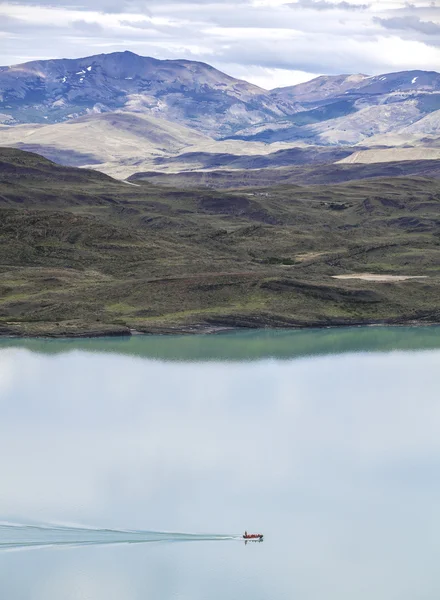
(83, 254)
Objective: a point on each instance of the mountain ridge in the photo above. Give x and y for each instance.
(197, 95)
(59, 89)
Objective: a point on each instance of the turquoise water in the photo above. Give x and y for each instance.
(326, 441)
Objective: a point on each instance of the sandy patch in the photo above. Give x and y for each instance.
(379, 278)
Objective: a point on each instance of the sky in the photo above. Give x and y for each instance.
(267, 42)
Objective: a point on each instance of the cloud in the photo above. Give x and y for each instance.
(260, 39)
(118, 7)
(325, 5)
(137, 24)
(409, 23)
(87, 26)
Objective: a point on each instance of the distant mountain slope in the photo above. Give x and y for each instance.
(347, 109)
(326, 88)
(423, 132)
(429, 125)
(110, 137)
(366, 122)
(180, 90)
(320, 89)
(123, 143)
(353, 127)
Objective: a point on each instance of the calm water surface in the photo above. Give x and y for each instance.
(326, 441)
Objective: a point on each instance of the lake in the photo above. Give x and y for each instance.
(327, 441)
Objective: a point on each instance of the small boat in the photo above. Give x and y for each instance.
(255, 537)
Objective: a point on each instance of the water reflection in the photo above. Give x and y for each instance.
(334, 458)
(247, 345)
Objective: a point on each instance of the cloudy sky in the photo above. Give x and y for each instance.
(268, 42)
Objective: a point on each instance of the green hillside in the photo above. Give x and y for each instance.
(82, 254)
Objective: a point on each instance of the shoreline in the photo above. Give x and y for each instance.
(14, 331)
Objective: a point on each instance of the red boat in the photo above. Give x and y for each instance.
(253, 536)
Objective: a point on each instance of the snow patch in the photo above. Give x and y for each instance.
(64, 79)
(81, 72)
(414, 80)
(89, 69)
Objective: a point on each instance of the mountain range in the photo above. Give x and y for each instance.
(123, 113)
(202, 97)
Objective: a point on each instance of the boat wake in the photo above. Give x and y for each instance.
(15, 536)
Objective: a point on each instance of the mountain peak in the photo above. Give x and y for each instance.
(56, 90)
